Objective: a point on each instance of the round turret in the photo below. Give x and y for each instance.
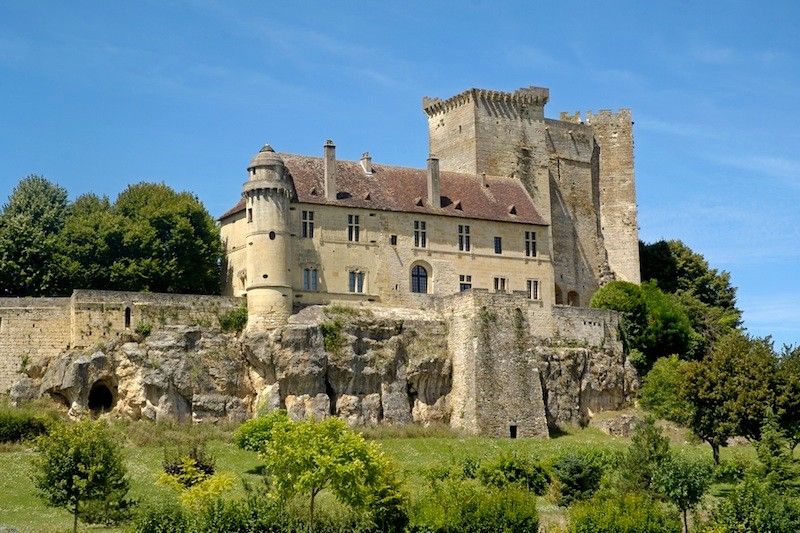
(267, 192)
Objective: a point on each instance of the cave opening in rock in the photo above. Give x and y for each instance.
(101, 399)
(329, 390)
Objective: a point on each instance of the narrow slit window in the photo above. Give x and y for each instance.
(498, 245)
(127, 318)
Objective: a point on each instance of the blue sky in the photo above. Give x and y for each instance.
(96, 95)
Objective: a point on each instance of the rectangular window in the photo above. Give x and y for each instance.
(464, 244)
(498, 245)
(353, 228)
(533, 289)
(499, 284)
(308, 224)
(464, 282)
(249, 214)
(393, 240)
(530, 244)
(356, 281)
(310, 279)
(420, 234)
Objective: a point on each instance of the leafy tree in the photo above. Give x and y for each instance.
(170, 242)
(79, 463)
(29, 226)
(649, 448)
(627, 298)
(90, 242)
(661, 392)
(731, 389)
(788, 393)
(683, 482)
(308, 457)
(676, 268)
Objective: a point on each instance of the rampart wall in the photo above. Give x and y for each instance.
(35, 329)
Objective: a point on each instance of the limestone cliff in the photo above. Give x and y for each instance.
(367, 365)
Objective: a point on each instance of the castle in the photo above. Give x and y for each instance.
(461, 289)
(509, 201)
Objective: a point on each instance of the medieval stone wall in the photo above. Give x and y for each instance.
(33, 330)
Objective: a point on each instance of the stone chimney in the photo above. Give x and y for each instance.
(434, 191)
(329, 157)
(366, 163)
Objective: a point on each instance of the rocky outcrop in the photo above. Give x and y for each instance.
(366, 365)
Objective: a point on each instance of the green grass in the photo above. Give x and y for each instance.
(21, 508)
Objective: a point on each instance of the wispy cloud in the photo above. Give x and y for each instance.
(781, 169)
(722, 55)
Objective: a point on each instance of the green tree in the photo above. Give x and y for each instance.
(79, 463)
(649, 448)
(170, 243)
(683, 481)
(29, 226)
(90, 242)
(661, 392)
(308, 457)
(676, 268)
(628, 300)
(778, 467)
(731, 389)
(788, 393)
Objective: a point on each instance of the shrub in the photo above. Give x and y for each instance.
(190, 468)
(661, 392)
(753, 506)
(509, 469)
(234, 320)
(163, 517)
(253, 434)
(20, 424)
(512, 509)
(578, 477)
(648, 449)
(621, 513)
(144, 328)
(332, 337)
(732, 470)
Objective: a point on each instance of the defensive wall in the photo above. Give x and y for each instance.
(35, 329)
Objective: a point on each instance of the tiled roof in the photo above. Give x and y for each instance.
(404, 189)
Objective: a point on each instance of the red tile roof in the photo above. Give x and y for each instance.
(404, 189)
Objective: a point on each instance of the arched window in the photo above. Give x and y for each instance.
(127, 318)
(419, 279)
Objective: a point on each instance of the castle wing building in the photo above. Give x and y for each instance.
(509, 202)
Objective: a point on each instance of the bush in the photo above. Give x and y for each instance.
(732, 470)
(144, 328)
(253, 434)
(164, 517)
(509, 469)
(234, 320)
(578, 477)
(190, 468)
(661, 392)
(648, 449)
(752, 506)
(19, 424)
(464, 505)
(622, 513)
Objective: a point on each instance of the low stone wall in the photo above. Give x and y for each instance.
(583, 325)
(31, 330)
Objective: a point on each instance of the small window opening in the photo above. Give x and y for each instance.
(101, 399)
(512, 432)
(393, 240)
(272, 235)
(127, 318)
(249, 214)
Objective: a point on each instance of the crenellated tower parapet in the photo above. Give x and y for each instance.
(267, 194)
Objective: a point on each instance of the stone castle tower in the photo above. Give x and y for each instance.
(579, 175)
(267, 193)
